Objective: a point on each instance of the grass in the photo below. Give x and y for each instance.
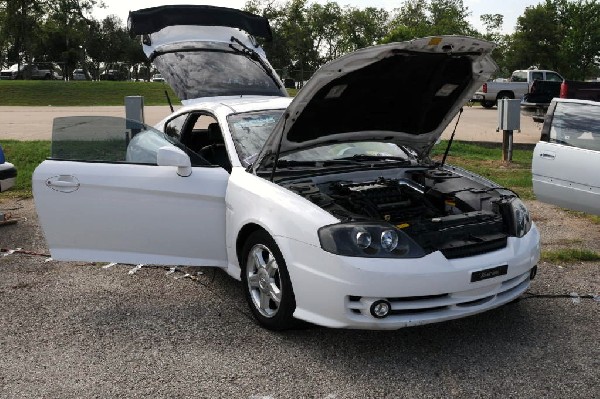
(84, 93)
(486, 160)
(570, 255)
(78, 93)
(26, 156)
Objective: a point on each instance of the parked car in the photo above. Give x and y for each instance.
(112, 74)
(543, 91)
(157, 78)
(80, 74)
(519, 85)
(45, 71)
(8, 173)
(567, 158)
(327, 206)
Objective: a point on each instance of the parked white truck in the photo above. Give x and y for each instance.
(518, 85)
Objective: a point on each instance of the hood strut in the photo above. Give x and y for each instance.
(276, 157)
(451, 138)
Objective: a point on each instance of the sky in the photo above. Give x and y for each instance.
(511, 9)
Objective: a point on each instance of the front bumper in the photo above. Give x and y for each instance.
(8, 176)
(338, 291)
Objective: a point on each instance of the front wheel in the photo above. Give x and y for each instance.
(266, 282)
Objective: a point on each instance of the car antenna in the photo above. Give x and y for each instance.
(169, 101)
(451, 138)
(276, 158)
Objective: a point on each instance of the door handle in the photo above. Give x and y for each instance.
(63, 183)
(547, 155)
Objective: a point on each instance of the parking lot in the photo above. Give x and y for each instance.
(35, 123)
(74, 330)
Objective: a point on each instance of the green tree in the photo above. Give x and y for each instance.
(580, 47)
(363, 27)
(419, 18)
(561, 35)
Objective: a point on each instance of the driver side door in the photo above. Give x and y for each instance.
(103, 197)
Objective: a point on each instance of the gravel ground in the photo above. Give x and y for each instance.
(73, 330)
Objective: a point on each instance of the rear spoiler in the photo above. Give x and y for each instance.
(151, 20)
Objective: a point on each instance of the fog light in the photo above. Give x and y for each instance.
(533, 272)
(380, 309)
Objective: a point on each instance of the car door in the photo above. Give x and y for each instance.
(103, 197)
(566, 162)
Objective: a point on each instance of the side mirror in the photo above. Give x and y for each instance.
(173, 156)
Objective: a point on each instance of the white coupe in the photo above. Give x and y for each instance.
(327, 206)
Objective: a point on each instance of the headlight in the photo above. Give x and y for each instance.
(371, 240)
(521, 221)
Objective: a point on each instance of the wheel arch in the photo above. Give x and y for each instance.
(243, 235)
(510, 94)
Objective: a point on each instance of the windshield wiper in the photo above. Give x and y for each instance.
(254, 56)
(363, 157)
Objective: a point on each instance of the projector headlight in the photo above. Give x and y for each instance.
(521, 221)
(371, 240)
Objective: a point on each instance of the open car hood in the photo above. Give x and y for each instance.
(405, 93)
(205, 51)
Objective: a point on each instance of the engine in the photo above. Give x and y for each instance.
(440, 210)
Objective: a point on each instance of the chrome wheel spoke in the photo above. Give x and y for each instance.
(259, 262)
(271, 266)
(275, 293)
(265, 301)
(253, 281)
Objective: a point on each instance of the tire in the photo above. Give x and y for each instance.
(505, 95)
(488, 104)
(266, 282)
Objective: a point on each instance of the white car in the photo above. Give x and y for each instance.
(327, 206)
(566, 161)
(80, 74)
(157, 78)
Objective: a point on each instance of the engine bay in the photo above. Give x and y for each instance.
(438, 208)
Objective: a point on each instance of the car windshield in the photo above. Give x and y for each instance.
(250, 131)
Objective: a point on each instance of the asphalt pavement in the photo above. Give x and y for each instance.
(81, 330)
(35, 123)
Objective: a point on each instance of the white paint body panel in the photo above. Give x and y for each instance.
(567, 176)
(133, 213)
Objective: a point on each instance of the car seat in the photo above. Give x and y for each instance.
(216, 153)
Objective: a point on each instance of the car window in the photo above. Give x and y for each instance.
(519, 76)
(250, 131)
(109, 139)
(576, 125)
(537, 76)
(174, 126)
(554, 77)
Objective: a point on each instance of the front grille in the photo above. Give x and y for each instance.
(476, 248)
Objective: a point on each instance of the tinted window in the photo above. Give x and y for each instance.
(553, 77)
(174, 126)
(537, 76)
(109, 139)
(576, 125)
(102, 138)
